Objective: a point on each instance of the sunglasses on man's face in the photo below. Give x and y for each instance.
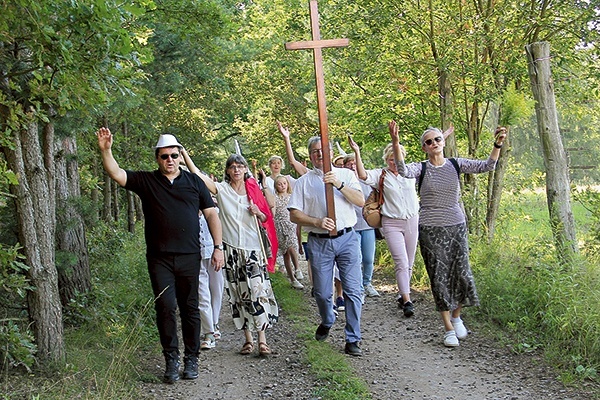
(429, 142)
(173, 156)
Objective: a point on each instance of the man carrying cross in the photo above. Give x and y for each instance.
(331, 241)
(329, 217)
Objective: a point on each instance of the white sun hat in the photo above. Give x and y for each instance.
(167, 140)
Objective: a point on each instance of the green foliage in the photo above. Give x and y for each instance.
(17, 346)
(515, 107)
(590, 199)
(106, 329)
(540, 304)
(13, 281)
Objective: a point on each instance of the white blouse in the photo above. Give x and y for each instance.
(240, 228)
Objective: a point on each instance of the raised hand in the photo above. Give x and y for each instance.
(105, 138)
(393, 128)
(500, 135)
(353, 145)
(283, 130)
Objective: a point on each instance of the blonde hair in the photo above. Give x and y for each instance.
(273, 158)
(279, 177)
(389, 151)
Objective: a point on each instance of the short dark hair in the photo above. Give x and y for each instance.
(235, 159)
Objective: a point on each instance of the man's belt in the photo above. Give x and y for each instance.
(328, 236)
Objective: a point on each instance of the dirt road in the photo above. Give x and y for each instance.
(404, 358)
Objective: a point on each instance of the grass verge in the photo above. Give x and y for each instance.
(338, 378)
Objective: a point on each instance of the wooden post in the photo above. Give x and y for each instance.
(555, 158)
(316, 44)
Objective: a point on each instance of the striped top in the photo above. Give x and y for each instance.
(440, 190)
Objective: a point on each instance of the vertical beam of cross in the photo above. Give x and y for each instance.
(316, 44)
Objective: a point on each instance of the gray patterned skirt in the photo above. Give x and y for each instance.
(445, 250)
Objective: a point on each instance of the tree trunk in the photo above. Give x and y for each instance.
(555, 159)
(130, 211)
(115, 201)
(72, 257)
(35, 215)
(139, 213)
(107, 196)
(495, 186)
(446, 111)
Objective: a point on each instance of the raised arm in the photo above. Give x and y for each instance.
(289, 151)
(361, 172)
(105, 141)
(210, 184)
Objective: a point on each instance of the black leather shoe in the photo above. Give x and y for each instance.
(409, 309)
(172, 370)
(322, 332)
(353, 349)
(190, 367)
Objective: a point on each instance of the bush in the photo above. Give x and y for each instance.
(16, 342)
(539, 303)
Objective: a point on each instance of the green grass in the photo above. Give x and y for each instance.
(539, 304)
(104, 329)
(338, 379)
(530, 301)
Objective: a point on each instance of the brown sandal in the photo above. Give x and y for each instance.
(247, 348)
(263, 349)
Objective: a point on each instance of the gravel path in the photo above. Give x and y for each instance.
(403, 358)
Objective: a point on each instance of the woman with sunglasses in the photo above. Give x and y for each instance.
(442, 224)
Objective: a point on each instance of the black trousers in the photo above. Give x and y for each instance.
(174, 279)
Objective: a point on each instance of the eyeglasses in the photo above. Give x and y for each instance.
(437, 139)
(173, 156)
(235, 167)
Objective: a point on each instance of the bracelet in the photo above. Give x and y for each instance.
(341, 187)
(498, 146)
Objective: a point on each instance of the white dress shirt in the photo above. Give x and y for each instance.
(308, 196)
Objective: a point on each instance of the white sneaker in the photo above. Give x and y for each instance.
(299, 274)
(297, 285)
(450, 339)
(459, 328)
(370, 291)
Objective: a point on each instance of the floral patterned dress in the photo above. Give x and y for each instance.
(286, 229)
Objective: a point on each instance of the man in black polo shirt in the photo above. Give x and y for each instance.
(171, 199)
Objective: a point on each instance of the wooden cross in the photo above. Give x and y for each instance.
(316, 44)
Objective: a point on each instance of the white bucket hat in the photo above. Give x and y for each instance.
(167, 140)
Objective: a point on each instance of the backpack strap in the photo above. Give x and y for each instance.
(424, 167)
(421, 176)
(455, 164)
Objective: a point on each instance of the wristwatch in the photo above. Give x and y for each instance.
(218, 247)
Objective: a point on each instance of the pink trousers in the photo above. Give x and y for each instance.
(401, 236)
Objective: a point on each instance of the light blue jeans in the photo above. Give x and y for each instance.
(343, 251)
(367, 249)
